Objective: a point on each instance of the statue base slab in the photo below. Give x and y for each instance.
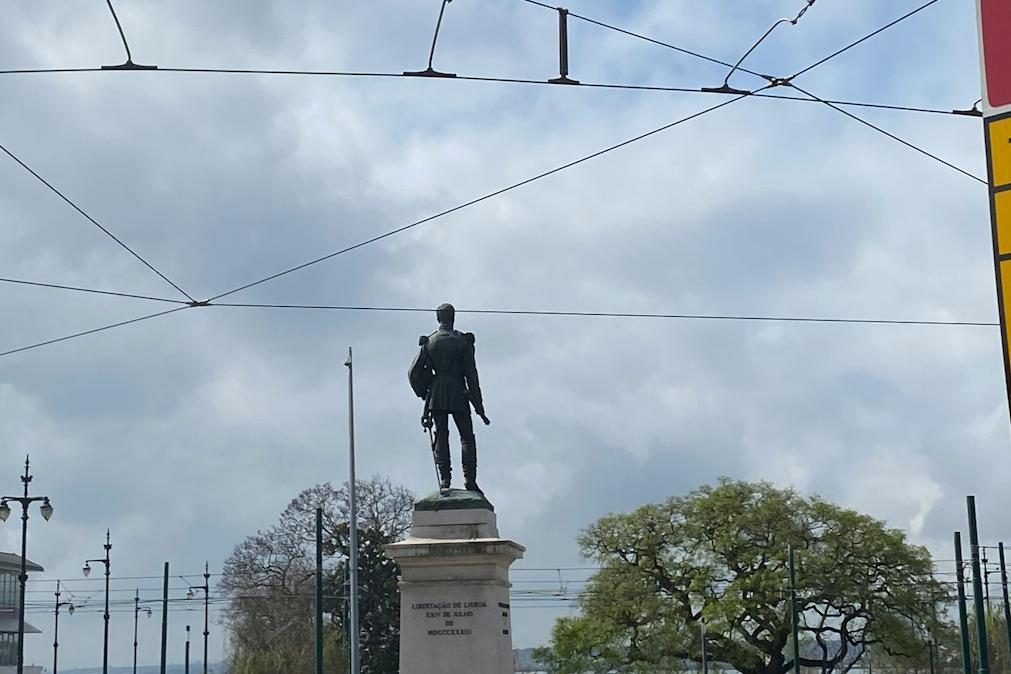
(454, 588)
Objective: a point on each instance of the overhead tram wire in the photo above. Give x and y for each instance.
(489, 79)
(482, 198)
(788, 81)
(607, 314)
(890, 135)
(647, 38)
(737, 66)
(864, 38)
(92, 220)
(95, 330)
(94, 291)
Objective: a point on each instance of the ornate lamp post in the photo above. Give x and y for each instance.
(87, 572)
(136, 615)
(206, 587)
(56, 622)
(5, 511)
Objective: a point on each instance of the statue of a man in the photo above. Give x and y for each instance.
(444, 373)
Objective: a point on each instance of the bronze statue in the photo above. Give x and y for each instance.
(444, 374)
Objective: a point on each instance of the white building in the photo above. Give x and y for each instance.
(10, 596)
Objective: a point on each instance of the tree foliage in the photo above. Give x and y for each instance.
(720, 555)
(270, 577)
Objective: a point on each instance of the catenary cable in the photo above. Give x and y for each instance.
(501, 80)
(646, 38)
(484, 197)
(94, 291)
(92, 220)
(737, 66)
(889, 134)
(864, 38)
(94, 330)
(607, 314)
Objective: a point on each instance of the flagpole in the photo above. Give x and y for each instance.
(353, 517)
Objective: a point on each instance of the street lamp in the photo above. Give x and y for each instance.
(136, 615)
(87, 572)
(5, 512)
(206, 587)
(56, 622)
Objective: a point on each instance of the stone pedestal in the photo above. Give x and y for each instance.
(454, 588)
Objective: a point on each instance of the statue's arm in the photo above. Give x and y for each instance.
(470, 374)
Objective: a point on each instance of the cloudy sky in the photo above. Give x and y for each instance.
(185, 433)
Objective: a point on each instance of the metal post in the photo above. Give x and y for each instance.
(164, 621)
(26, 479)
(5, 511)
(353, 516)
(56, 627)
(794, 617)
(986, 579)
(319, 591)
(136, 615)
(187, 656)
(705, 662)
(563, 49)
(930, 655)
(1007, 604)
(963, 620)
(105, 642)
(977, 589)
(207, 608)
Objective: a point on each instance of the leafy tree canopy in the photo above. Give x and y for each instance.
(720, 555)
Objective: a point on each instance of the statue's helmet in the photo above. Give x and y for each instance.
(445, 313)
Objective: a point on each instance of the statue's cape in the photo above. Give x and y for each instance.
(420, 375)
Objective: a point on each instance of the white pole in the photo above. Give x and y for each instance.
(353, 516)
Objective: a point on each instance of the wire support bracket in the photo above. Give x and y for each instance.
(430, 71)
(128, 64)
(563, 49)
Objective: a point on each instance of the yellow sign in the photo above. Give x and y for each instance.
(998, 152)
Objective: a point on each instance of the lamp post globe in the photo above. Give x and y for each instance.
(5, 511)
(86, 570)
(46, 510)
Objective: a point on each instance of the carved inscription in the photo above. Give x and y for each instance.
(449, 619)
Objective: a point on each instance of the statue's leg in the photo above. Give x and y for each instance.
(468, 443)
(441, 419)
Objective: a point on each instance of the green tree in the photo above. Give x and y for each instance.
(720, 555)
(270, 578)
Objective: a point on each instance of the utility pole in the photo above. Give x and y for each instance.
(963, 619)
(353, 516)
(986, 578)
(1007, 604)
(319, 591)
(186, 659)
(207, 608)
(164, 621)
(794, 617)
(977, 588)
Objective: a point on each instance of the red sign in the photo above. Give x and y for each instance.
(995, 16)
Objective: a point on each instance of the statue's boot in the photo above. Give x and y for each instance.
(442, 461)
(469, 447)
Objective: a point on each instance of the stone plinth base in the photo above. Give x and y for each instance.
(454, 588)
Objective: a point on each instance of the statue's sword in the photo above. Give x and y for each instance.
(426, 423)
